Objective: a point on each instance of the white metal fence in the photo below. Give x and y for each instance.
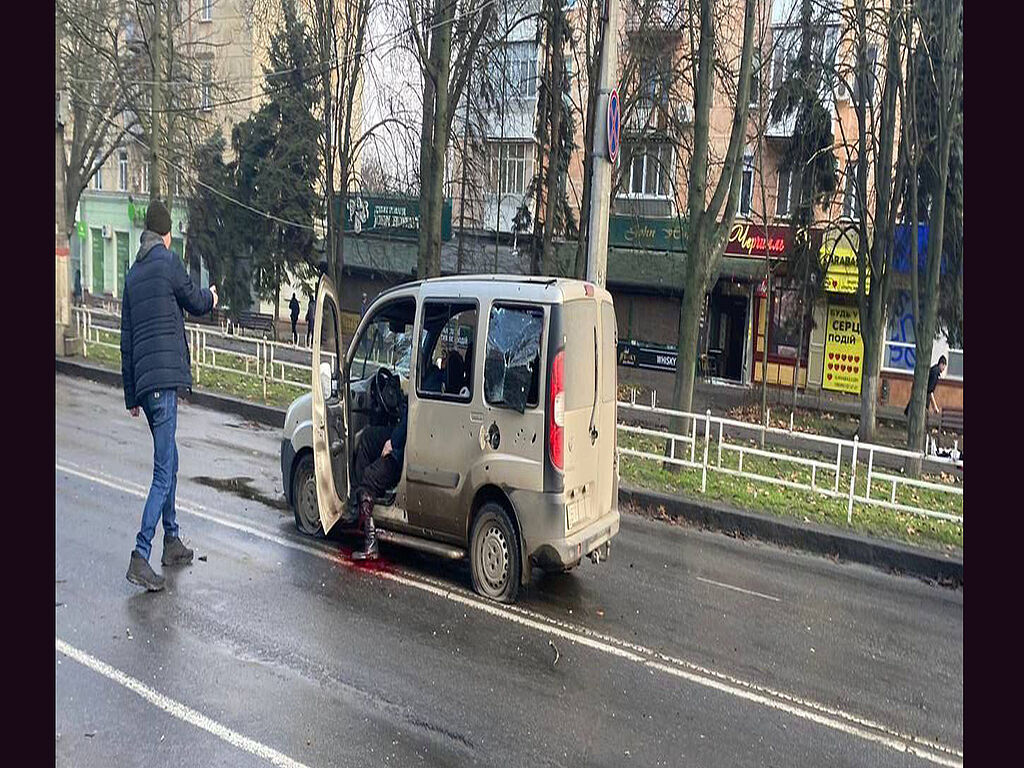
(830, 461)
(212, 350)
(826, 461)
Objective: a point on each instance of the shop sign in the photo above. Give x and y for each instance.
(664, 234)
(844, 350)
(651, 356)
(750, 241)
(839, 257)
(397, 217)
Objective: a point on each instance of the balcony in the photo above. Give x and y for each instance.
(650, 117)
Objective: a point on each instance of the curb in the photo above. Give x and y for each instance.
(263, 414)
(818, 539)
(810, 537)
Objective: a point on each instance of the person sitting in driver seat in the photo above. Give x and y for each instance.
(378, 468)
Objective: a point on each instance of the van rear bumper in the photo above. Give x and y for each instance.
(542, 520)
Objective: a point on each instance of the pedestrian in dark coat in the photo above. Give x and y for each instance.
(293, 307)
(155, 364)
(310, 319)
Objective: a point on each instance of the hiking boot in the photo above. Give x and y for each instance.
(139, 572)
(175, 552)
(370, 546)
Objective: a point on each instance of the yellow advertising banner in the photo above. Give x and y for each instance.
(841, 274)
(844, 350)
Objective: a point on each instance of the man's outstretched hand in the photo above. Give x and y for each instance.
(134, 412)
(213, 290)
(387, 449)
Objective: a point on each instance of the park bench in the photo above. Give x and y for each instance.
(256, 321)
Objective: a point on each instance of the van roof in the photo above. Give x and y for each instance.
(537, 287)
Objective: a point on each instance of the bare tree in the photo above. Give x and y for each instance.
(940, 39)
(445, 67)
(709, 217)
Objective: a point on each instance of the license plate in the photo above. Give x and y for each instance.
(573, 515)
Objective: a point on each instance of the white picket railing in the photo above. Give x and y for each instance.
(821, 468)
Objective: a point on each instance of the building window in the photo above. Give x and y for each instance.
(747, 188)
(205, 102)
(207, 11)
(755, 81)
(851, 205)
(871, 56)
(122, 170)
(522, 74)
(783, 193)
(508, 168)
(650, 171)
(784, 326)
(97, 179)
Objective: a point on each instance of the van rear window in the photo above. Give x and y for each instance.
(580, 326)
(512, 364)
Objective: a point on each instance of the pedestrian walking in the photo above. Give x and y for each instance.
(293, 307)
(78, 287)
(362, 308)
(155, 363)
(933, 381)
(310, 319)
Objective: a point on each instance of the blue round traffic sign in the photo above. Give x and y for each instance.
(613, 125)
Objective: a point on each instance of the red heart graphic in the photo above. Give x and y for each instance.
(835, 283)
(842, 357)
(856, 359)
(831, 355)
(830, 366)
(830, 377)
(857, 369)
(842, 368)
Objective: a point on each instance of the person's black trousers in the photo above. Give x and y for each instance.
(375, 474)
(295, 330)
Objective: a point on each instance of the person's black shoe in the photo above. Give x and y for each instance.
(139, 572)
(175, 552)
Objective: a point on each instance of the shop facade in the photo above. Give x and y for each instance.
(106, 239)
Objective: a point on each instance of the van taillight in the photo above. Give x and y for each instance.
(556, 419)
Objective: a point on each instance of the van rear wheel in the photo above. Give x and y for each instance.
(495, 559)
(307, 514)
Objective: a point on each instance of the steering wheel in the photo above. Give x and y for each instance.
(387, 388)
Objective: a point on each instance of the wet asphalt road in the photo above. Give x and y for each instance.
(686, 648)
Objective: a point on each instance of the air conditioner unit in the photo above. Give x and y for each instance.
(108, 231)
(684, 114)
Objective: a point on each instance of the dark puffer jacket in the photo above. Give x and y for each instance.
(154, 352)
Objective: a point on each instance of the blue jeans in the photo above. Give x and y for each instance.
(161, 408)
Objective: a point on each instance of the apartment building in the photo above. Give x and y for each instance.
(740, 326)
(215, 36)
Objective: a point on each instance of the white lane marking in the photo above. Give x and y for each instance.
(738, 589)
(177, 709)
(806, 709)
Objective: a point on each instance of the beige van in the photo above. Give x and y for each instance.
(510, 387)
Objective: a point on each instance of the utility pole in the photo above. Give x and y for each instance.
(156, 139)
(601, 167)
(62, 313)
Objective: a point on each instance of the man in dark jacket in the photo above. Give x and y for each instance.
(933, 381)
(293, 308)
(310, 319)
(378, 469)
(155, 363)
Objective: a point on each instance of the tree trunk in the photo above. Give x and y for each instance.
(690, 307)
(157, 118)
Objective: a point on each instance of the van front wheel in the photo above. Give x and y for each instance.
(495, 559)
(307, 515)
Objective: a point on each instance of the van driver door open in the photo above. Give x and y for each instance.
(330, 408)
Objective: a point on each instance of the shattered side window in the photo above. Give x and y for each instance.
(512, 363)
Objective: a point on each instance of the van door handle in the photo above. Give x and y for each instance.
(476, 417)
